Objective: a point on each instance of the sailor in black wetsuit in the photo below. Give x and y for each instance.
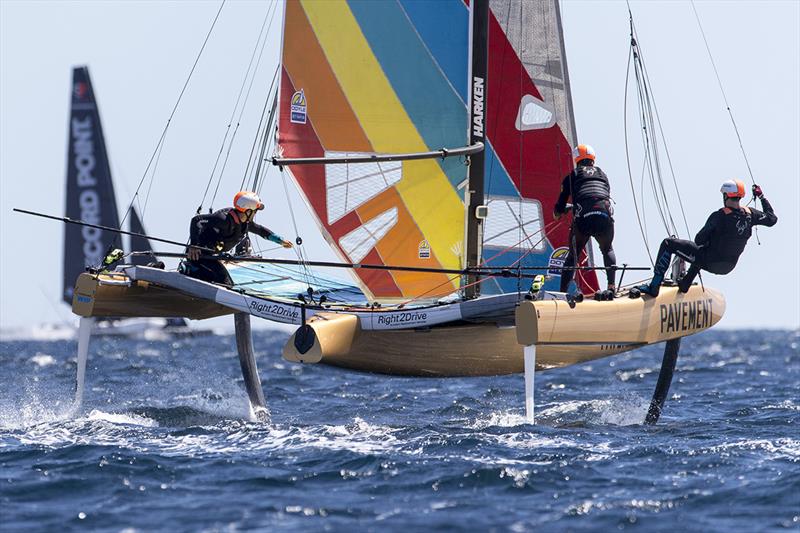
(717, 246)
(221, 231)
(592, 215)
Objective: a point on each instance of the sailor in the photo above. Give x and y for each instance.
(717, 246)
(222, 231)
(588, 186)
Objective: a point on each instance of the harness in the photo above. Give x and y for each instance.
(591, 213)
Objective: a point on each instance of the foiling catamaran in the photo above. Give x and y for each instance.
(90, 197)
(442, 242)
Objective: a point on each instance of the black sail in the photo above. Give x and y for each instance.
(90, 192)
(138, 244)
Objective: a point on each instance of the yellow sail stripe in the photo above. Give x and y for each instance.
(425, 189)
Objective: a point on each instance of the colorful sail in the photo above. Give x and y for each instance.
(531, 132)
(393, 77)
(90, 192)
(360, 78)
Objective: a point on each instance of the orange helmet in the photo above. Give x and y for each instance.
(247, 201)
(583, 151)
(732, 189)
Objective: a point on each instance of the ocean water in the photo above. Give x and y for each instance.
(165, 441)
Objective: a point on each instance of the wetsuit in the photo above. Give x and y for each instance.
(716, 247)
(221, 230)
(592, 217)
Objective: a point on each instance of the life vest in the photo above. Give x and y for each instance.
(590, 193)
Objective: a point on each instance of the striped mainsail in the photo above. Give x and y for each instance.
(392, 76)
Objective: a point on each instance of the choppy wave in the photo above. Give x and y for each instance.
(166, 439)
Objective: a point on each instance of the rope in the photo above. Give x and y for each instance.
(628, 160)
(722, 90)
(252, 159)
(663, 138)
(230, 120)
(172, 114)
(651, 129)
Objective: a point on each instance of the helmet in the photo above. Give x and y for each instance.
(583, 151)
(247, 201)
(732, 189)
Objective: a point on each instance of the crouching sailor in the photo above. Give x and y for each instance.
(592, 212)
(221, 231)
(717, 246)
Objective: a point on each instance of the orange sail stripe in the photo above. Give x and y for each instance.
(394, 248)
(311, 179)
(334, 120)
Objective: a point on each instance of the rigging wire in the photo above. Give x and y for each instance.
(722, 90)
(628, 160)
(253, 158)
(652, 134)
(247, 75)
(266, 141)
(172, 114)
(650, 142)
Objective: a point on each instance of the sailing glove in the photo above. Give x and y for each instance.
(757, 192)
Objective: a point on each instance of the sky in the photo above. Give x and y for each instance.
(140, 53)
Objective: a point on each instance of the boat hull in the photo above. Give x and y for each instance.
(116, 295)
(463, 350)
(563, 335)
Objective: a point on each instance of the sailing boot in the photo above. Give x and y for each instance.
(605, 296)
(660, 268)
(574, 295)
(686, 281)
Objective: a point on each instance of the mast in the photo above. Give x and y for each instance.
(476, 211)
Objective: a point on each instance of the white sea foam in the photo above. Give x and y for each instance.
(625, 411)
(35, 406)
(785, 448)
(42, 359)
(121, 418)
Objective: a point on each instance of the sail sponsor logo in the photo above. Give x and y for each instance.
(299, 107)
(402, 319)
(556, 262)
(686, 316)
(477, 106)
(424, 250)
(270, 310)
(88, 198)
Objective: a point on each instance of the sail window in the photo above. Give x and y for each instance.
(351, 185)
(358, 243)
(534, 114)
(514, 223)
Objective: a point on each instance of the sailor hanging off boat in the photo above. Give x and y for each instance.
(221, 231)
(718, 245)
(592, 215)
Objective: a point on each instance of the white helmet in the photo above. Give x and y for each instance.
(247, 201)
(732, 189)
